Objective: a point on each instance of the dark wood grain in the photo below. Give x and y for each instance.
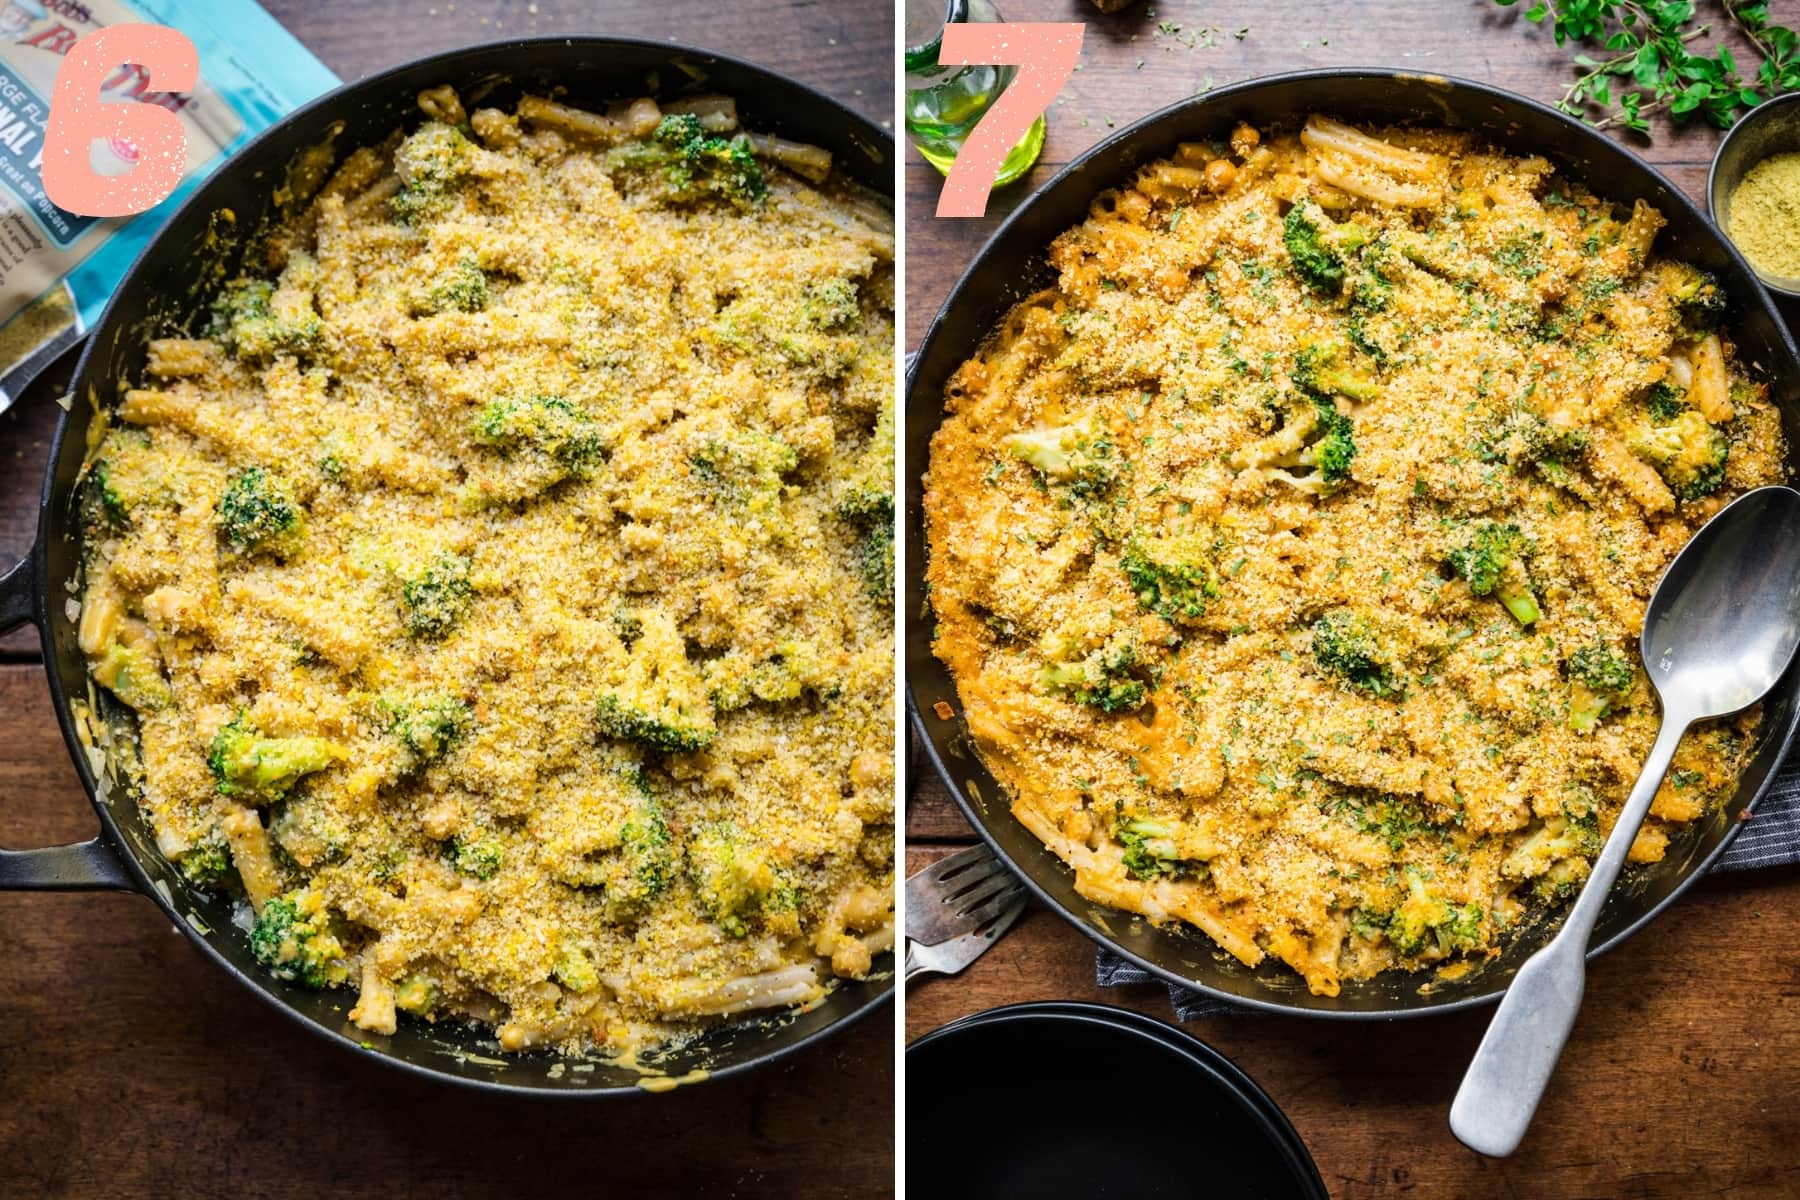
(130, 1067)
(1680, 1077)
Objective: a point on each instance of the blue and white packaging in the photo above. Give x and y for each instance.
(58, 269)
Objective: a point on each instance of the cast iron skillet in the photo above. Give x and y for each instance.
(169, 285)
(1195, 1124)
(1012, 266)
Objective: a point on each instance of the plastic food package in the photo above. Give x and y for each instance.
(57, 269)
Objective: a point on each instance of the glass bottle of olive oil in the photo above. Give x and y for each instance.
(943, 103)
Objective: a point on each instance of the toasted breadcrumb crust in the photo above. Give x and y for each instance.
(1289, 554)
(368, 551)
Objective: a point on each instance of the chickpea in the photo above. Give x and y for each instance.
(1220, 175)
(865, 909)
(851, 959)
(1243, 140)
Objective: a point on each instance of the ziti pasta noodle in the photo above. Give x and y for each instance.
(501, 575)
(1289, 553)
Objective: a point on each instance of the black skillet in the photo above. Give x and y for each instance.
(1084, 1100)
(165, 290)
(1012, 266)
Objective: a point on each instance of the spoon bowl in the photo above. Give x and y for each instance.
(1725, 618)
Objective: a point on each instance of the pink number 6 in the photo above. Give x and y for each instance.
(77, 118)
(1045, 55)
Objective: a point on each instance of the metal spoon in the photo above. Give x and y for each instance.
(1720, 631)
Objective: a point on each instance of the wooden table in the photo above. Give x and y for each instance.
(130, 1067)
(1680, 1079)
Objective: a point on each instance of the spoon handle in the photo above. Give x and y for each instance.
(1511, 1068)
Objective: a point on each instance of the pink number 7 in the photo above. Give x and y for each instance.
(1045, 55)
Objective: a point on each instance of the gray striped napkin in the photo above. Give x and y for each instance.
(1771, 838)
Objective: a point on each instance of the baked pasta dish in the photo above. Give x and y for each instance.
(1289, 554)
(501, 573)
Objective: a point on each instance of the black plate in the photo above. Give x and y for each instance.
(1012, 266)
(1040, 1101)
(170, 284)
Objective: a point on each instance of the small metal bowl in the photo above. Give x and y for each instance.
(1770, 128)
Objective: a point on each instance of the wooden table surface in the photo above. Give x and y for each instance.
(130, 1067)
(1680, 1078)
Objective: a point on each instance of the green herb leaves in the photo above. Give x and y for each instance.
(1648, 65)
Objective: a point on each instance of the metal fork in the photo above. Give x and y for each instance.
(949, 958)
(956, 908)
(954, 895)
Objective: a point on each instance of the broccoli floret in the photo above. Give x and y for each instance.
(463, 288)
(678, 129)
(1699, 300)
(637, 864)
(1687, 452)
(437, 598)
(292, 938)
(832, 304)
(639, 869)
(424, 727)
(258, 514)
(732, 877)
(264, 768)
(245, 321)
(875, 560)
(744, 469)
(1344, 644)
(659, 700)
(1317, 246)
(575, 971)
(207, 864)
(1103, 679)
(794, 670)
(1371, 925)
(784, 337)
(1373, 292)
(1665, 402)
(867, 504)
(1598, 676)
(1601, 668)
(1426, 925)
(1081, 455)
(1172, 578)
(133, 674)
(692, 164)
(1334, 448)
(309, 832)
(478, 857)
(1523, 437)
(113, 504)
(1325, 368)
(127, 478)
(1557, 854)
(416, 994)
(1489, 560)
(1152, 849)
(430, 164)
(547, 425)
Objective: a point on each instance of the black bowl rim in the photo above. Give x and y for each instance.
(109, 831)
(1205, 1059)
(1761, 112)
(1078, 165)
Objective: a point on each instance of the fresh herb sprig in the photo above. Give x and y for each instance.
(1648, 61)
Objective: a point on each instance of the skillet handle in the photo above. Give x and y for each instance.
(18, 589)
(89, 866)
(84, 866)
